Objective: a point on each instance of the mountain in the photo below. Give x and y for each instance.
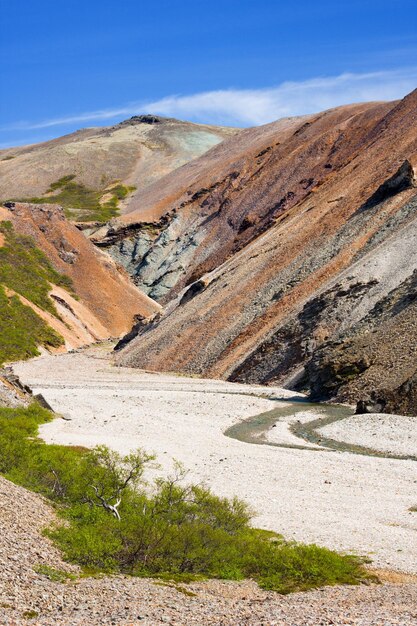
(97, 172)
(286, 254)
(57, 290)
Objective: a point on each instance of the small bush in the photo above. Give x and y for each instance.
(30, 614)
(116, 523)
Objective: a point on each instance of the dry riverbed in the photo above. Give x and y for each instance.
(392, 434)
(340, 500)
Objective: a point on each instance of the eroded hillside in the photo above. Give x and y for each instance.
(56, 289)
(282, 252)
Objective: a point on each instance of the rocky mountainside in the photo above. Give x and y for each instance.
(56, 289)
(97, 172)
(286, 254)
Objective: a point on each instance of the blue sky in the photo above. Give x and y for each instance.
(70, 64)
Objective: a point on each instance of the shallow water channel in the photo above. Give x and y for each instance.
(254, 429)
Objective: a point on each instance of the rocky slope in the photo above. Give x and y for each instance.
(83, 308)
(136, 152)
(286, 254)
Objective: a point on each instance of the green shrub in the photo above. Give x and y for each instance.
(116, 523)
(30, 614)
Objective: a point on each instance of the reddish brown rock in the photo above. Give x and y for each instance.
(107, 300)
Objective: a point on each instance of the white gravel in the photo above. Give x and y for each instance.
(340, 500)
(394, 434)
(280, 433)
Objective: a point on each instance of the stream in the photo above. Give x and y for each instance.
(254, 429)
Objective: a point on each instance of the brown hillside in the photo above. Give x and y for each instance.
(273, 220)
(107, 300)
(136, 152)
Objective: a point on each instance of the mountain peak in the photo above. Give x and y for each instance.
(146, 118)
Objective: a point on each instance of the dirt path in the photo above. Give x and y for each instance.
(344, 501)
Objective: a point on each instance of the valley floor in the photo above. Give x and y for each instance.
(349, 502)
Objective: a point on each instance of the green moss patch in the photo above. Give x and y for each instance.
(82, 204)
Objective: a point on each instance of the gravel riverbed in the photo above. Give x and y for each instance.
(340, 500)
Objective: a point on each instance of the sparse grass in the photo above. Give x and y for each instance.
(176, 532)
(81, 203)
(25, 270)
(30, 614)
(53, 574)
(173, 585)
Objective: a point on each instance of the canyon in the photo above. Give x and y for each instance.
(213, 294)
(285, 254)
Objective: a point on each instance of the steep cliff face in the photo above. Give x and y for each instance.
(279, 244)
(375, 361)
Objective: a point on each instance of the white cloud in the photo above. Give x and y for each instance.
(251, 107)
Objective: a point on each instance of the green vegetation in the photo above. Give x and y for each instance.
(178, 532)
(25, 270)
(30, 614)
(56, 575)
(22, 330)
(81, 203)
